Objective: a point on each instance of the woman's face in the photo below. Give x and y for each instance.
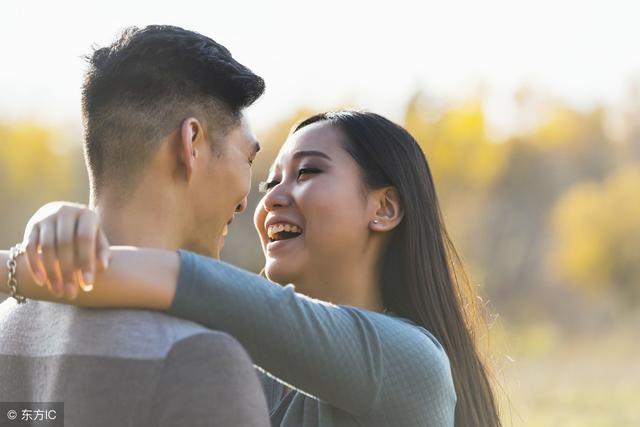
(313, 220)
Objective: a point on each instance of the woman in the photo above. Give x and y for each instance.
(350, 216)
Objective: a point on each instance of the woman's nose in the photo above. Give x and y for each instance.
(278, 197)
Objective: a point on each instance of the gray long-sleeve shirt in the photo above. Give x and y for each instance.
(125, 368)
(348, 366)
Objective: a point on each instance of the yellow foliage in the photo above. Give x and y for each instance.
(597, 233)
(568, 129)
(456, 144)
(562, 128)
(28, 161)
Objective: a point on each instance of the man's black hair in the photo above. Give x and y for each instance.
(140, 88)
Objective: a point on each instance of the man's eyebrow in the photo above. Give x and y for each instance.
(301, 154)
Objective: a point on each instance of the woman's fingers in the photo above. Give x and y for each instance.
(86, 247)
(63, 240)
(65, 249)
(103, 249)
(49, 257)
(33, 257)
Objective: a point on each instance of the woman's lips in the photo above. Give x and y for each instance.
(280, 244)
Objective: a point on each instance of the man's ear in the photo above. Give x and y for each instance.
(389, 210)
(191, 137)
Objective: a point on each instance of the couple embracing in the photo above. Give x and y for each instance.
(360, 321)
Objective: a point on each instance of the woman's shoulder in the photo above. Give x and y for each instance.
(417, 375)
(420, 332)
(405, 344)
(405, 333)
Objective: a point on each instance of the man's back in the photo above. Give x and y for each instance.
(126, 367)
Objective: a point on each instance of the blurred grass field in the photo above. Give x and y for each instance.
(560, 379)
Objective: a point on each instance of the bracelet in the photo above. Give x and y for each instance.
(12, 281)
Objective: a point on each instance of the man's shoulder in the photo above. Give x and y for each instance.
(46, 329)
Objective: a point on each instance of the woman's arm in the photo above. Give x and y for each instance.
(352, 358)
(136, 278)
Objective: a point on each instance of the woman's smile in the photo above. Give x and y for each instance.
(277, 245)
(313, 215)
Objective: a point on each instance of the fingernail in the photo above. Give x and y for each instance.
(71, 291)
(58, 290)
(39, 278)
(87, 277)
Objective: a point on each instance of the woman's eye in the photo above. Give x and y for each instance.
(305, 171)
(265, 186)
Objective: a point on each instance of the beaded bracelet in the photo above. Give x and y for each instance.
(12, 281)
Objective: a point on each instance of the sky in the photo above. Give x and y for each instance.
(368, 54)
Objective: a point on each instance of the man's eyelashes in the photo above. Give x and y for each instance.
(266, 186)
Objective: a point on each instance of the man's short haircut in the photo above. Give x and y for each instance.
(140, 88)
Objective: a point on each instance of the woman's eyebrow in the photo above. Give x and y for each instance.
(300, 154)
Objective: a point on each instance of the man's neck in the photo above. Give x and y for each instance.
(141, 223)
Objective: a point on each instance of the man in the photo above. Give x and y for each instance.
(169, 154)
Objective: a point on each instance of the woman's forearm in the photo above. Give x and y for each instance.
(136, 278)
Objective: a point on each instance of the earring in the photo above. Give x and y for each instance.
(375, 221)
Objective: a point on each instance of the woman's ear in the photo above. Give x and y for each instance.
(389, 210)
(191, 135)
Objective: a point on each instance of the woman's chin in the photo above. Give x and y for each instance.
(277, 272)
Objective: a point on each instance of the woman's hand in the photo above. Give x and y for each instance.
(65, 245)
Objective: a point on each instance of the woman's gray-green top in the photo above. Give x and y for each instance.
(349, 366)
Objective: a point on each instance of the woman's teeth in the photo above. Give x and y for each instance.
(274, 232)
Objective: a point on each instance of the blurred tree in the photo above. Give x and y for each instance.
(37, 164)
(460, 153)
(596, 229)
(565, 147)
(632, 119)
(464, 161)
(27, 156)
(497, 195)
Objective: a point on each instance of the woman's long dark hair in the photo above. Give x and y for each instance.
(417, 272)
